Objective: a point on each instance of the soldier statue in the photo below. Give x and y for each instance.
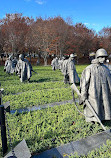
(24, 68)
(91, 56)
(95, 86)
(9, 67)
(64, 70)
(55, 64)
(72, 73)
(108, 64)
(14, 63)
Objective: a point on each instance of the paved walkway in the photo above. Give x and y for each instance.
(34, 108)
(82, 147)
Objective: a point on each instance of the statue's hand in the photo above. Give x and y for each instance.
(81, 100)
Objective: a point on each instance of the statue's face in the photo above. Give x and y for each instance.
(101, 60)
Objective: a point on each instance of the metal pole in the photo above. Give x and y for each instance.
(3, 130)
(0, 98)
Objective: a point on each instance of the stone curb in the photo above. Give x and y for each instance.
(82, 147)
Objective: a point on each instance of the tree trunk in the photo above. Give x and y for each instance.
(45, 61)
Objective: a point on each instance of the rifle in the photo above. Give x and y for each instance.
(34, 71)
(74, 88)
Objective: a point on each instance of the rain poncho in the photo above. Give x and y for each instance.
(73, 76)
(60, 62)
(95, 85)
(14, 63)
(109, 67)
(9, 66)
(64, 67)
(55, 64)
(64, 70)
(24, 69)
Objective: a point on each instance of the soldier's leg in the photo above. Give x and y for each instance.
(66, 78)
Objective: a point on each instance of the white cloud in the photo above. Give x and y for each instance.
(90, 24)
(86, 24)
(40, 2)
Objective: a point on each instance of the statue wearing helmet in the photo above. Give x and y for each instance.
(8, 67)
(101, 53)
(24, 68)
(71, 70)
(95, 86)
(21, 56)
(91, 56)
(108, 62)
(72, 56)
(55, 64)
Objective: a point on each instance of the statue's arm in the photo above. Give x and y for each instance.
(84, 84)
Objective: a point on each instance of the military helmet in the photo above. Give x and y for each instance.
(101, 52)
(72, 55)
(92, 54)
(21, 56)
(63, 57)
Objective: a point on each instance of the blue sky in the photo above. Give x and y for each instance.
(95, 14)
